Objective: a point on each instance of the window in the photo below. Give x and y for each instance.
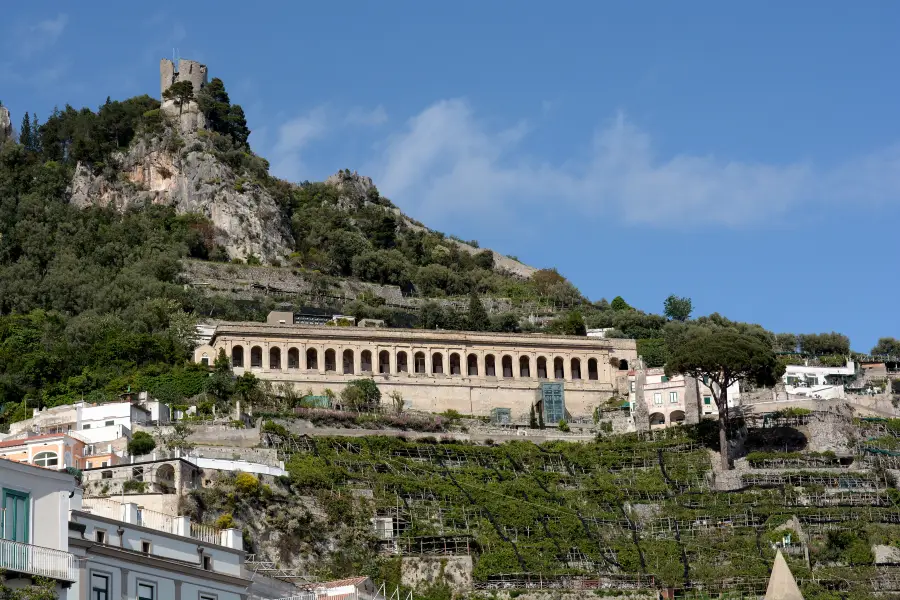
(207, 562)
(145, 547)
(110, 423)
(46, 459)
(657, 398)
(664, 379)
(90, 465)
(707, 400)
(632, 386)
(105, 474)
(15, 525)
(146, 591)
(206, 597)
(86, 426)
(99, 586)
(104, 464)
(673, 397)
(100, 536)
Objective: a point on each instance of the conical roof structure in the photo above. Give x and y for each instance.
(782, 585)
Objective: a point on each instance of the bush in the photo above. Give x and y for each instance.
(225, 521)
(563, 426)
(133, 486)
(141, 443)
(246, 484)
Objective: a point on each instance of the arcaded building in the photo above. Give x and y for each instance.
(470, 372)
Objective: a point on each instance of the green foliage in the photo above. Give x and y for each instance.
(847, 547)
(678, 309)
(180, 92)
(786, 343)
(563, 426)
(40, 589)
(654, 351)
(361, 395)
(887, 346)
(572, 323)
(820, 344)
(225, 521)
(141, 443)
(220, 115)
(246, 484)
(618, 303)
(477, 318)
(133, 486)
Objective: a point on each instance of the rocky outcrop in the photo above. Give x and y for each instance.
(5, 124)
(181, 170)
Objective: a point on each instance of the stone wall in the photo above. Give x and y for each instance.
(211, 435)
(422, 571)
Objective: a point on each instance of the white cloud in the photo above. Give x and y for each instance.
(35, 38)
(292, 137)
(446, 161)
(369, 118)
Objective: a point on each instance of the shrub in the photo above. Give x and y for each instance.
(563, 426)
(246, 484)
(141, 443)
(133, 486)
(225, 521)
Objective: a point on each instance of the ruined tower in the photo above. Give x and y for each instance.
(6, 130)
(188, 70)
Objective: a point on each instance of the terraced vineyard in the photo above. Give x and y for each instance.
(621, 513)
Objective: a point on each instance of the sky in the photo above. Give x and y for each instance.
(746, 156)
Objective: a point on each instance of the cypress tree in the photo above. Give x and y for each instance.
(478, 318)
(532, 420)
(540, 414)
(25, 132)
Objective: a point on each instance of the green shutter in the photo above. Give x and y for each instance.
(707, 400)
(16, 525)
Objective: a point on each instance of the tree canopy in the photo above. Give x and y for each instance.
(887, 346)
(678, 309)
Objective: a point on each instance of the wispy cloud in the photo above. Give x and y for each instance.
(445, 161)
(292, 137)
(32, 39)
(365, 117)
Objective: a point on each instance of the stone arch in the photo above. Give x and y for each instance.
(437, 363)
(676, 416)
(165, 473)
(542, 367)
(490, 367)
(524, 367)
(365, 361)
(330, 360)
(275, 358)
(593, 370)
(657, 419)
(384, 362)
(312, 358)
(237, 356)
(455, 367)
(507, 365)
(623, 364)
(347, 361)
(559, 371)
(293, 358)
(419, 362)
(402, 362)
(472, 365)
(576, 368)
(256, 357)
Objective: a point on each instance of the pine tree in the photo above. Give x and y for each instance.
(478, 319)
(35, 145)
(25, 132)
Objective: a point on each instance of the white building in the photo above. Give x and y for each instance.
(128, 552)
(675, 399)
(33, 526)
(818, 382)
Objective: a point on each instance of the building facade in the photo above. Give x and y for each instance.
(676, 399)
(469, 372)
(33, 526)
(819, 382)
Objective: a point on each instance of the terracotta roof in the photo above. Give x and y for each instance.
(28, 440)
(341, 582)
(782, 585)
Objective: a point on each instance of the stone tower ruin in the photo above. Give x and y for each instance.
(188, 70)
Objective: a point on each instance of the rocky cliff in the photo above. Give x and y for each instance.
(5, 124)
(179, 166)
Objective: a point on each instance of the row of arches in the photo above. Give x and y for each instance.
(456, 364)
(658, 419)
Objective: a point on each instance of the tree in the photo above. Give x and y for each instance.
(361, 394)
(477, 319)
(571, 323)
(618, 303)
(887, 346)
(786, 342)
(678, 309)
(41, 589)
(396, 401)
(177, 439)
(532, 419)
(653, 351)
(141, 443)
(180, 92)
(26, 137)
(722, 357)
(822, 344)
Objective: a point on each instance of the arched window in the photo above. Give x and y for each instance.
(541, 367)
(275, 358)
(455, 368)
(348, 362)
(204, 360)
(256, 357)
(490, 369)
(330, 360)
(46, 459)
(506, 363)
(576, 368)
(384, 362)
(593, 373)
(623, 365)
(558, 371)
(524, 367)
(472, 365)
(237, 356)
(312, 358)
(402, 362)
(419, 359)
(437, 363)
(365, 361)
(293, 358)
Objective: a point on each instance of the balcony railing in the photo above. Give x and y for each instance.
(37, 560)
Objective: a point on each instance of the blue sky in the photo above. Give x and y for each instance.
(745, 156)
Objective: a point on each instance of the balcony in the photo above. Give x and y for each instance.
(36, 560)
